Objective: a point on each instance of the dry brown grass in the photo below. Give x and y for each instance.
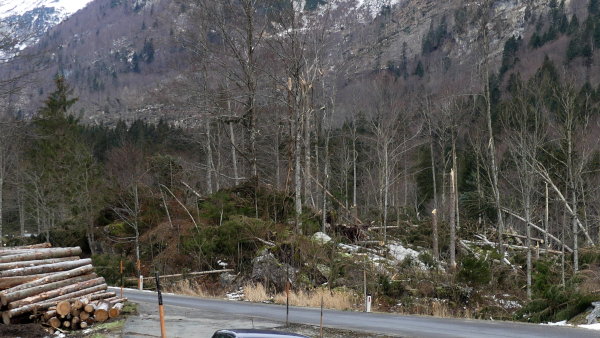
(186, 287)
(440, 309)
(255, 293)
(332, 299)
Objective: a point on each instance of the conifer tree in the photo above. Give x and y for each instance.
(64, 173)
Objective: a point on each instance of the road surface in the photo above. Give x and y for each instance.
(389, 324)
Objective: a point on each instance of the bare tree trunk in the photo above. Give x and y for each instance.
(164, 200)
(455, 191)
(527, 208)
(307, 165)
(546, 214)
(452, 223)
(354, 178)
(562, 259)
(136, 229)
(209, 163)
(491, 144)
(436, 250)
(325, 181)
(575, 232)
(298, 168)
(386, 188)
(277, 159)
(37, 217)
(234, 154)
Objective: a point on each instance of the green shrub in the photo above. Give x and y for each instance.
(108, 266)
(474, 271)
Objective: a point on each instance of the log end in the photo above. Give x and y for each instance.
(63, 308)
(54, 322)
(6, 317)
(101, 315)
(114, 312)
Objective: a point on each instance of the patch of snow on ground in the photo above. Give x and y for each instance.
(237, 295)
(591, 326)
(561, 323)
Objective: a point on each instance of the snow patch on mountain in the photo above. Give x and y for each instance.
(363, 10)
(64, 7)
(27, 20)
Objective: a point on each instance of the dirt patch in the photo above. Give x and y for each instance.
(22, 331)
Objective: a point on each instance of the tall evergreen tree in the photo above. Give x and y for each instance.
(64, 173)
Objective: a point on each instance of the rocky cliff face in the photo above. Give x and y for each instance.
(116, 51)
(28, 20)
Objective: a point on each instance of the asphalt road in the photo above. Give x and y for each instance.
(389, 324)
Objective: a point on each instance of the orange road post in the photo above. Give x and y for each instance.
(161, 310)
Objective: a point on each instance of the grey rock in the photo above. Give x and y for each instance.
(591, 318)
(268, 270)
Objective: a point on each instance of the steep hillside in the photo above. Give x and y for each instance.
(115, 52)
(29, 20)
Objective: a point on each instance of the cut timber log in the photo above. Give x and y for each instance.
(77, 304)
(75, 322)
(89, 308)
(6, 296)
(25, 264)
(41, 254)
(115, 310)
(99, 295)
(54, 322)
(46, 268)
(84, 315)
(63, 308)
(75, 312)
(25, 247)
(116, 301)
(7, 315)
(10, 282)
(101, 312)
(83, 324)
(49, 314)
(47, 278)
(67, 324)
(57, 292)
(80, 293)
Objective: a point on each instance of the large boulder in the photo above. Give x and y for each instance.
(268, 270)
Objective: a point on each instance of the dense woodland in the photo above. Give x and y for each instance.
(496, 181)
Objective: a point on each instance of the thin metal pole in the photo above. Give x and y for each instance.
(287, 298)
(321, 315)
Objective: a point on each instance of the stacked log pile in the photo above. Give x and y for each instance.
(53, 286)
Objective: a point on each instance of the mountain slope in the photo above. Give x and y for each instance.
(29, 20)
(115, 52)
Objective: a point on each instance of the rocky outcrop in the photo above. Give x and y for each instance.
(267, 269)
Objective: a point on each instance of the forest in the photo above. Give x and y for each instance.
(494, 183)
